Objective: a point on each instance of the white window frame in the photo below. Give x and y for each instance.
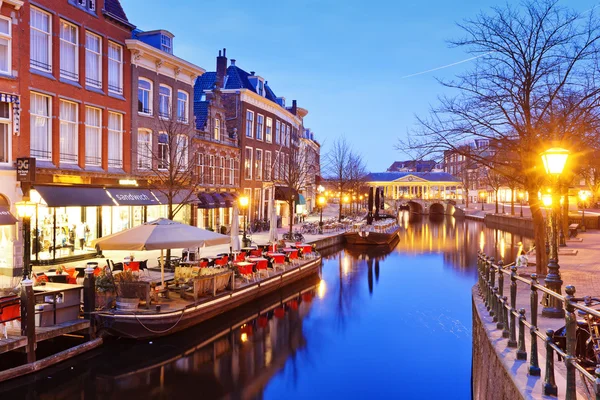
(150, 97)
(115, 162)
(269, 130)
(268, 166)
(166, 47)
(63, 42)
(217, 130)
(49, 40)
(98, 130)
(231, 171)
(37, 119)
(8, 122)
(161, 113)
(73, 124)
(91, 81)
(288, 134)
(162, 164)
(115, 63)
(183, 118)
(200, 167)
(249, 124)
(260, 127)
(248, 166)
(181, 143)
(211, 169)
(277, 131)
(222, 170)
(8, 38)
(258, 172)
(144, 156)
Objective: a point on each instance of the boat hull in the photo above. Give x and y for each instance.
(373, 239)
(145, 325)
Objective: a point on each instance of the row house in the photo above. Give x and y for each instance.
(65, 90)
(310, 150)
(266, 129)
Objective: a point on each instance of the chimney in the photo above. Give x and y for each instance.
(233, 61)
(252, 73)
(221, 68)
(294, 107)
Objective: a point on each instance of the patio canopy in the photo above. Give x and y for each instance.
(6, 217)
(158, 235)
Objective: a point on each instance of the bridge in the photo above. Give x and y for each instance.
(424, 206)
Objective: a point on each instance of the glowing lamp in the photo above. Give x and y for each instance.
(322, 200)
(25, 208)
(583, 195)
(554, 160)
(547, 199)
(243, 201)
(346, 199)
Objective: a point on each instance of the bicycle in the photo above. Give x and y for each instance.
(295, 236)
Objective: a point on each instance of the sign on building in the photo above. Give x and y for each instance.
(26, 169)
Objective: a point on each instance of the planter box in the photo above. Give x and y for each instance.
(210, 285)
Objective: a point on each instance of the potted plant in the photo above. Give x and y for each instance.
(60, 269)
(105, 289)
(127, 291)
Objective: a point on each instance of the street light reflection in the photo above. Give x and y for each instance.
(321, 289)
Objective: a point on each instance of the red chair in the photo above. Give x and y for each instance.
(293, 256)
(262, 265)
(279, 312)
(240, 257)
(256, 253)
(293, 304)
(72, 275)
(263, 321)
(203, 264)
(133, 266)
(221, 261)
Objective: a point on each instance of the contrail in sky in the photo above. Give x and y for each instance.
(446, 66)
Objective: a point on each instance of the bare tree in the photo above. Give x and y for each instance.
(356, 173)
(589, 171)
(534, 84)
(337, 162)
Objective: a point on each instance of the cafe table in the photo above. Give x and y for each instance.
(57, 278)
(278, 258)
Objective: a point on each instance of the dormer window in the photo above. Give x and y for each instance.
(88, 5)
(258, 83)
(166, 43)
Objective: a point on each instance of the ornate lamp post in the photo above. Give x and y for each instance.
(521, 195)
(25, 209)
(482, 197)
(322, 202)
(244, 205)
(583, 196)
(554, 160)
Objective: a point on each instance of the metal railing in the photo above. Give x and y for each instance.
(511, 320)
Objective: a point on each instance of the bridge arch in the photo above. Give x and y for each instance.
(437, 208)
(415, 208)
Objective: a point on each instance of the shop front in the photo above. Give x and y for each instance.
(7, 235)
(214, 210)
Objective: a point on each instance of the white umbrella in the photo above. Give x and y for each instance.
(235, 230)
(273, 226)
(159, 235)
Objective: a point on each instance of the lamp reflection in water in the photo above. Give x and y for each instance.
(321, 289)
(482, 241)
(502, 248)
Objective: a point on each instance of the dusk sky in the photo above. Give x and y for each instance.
(344, 61)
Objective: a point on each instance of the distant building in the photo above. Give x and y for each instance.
(416, 185)
(414, 166)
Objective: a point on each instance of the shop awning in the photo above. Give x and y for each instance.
(6, 217)
(73, 196)
(180, 197)
(133, 197)
(219, 200)
(284, 193)
(206, 201)
(229, 197)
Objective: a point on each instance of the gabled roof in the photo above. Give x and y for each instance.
(201, 113)
(114, 9)
(269, 93)
(236, 78)
(428, 176)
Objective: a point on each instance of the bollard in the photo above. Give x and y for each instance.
(521, 352)
(492, 286)
(89, 297)
(571, 328)
(28, 317)
(549, 388)
(505, 331)
(534, 367)
(512, 341)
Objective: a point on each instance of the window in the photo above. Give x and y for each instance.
(211, 170)
(269, 131)
(222, 171)
(115, 140)
(68, 132)
(166, 44)
(40, 55)
(231, 171)
(181, 143)
(248, 163)
(93, 136)
(89, 5)
(5, 133)
(287, 135)
(260, 88)
(182, 107)
(258, 165)
(217, 135)
(164, 101)
(277, 132)
(115, 68)
(144, 97)
(260, 123)
(69, 65)
(163, 151)
(5, 45)
(144, 149)
(93, 60)
(200, 168)
(41, 126)
(268, 166)
(249, 124)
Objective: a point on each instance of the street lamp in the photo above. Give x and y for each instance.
(25, 209)
(244, 205)
(482, 196)
(583, 196)
(521, 195)
(554, 160)
(346, 200)
(322, 201)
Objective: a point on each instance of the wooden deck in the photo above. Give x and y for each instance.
(16, 341)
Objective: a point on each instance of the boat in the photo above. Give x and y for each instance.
(178, 313)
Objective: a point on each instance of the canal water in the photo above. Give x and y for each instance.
(380, 323)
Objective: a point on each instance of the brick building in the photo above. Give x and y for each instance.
(265, 127)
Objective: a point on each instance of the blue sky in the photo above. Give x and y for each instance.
(342, 60)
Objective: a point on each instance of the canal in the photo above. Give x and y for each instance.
(382, 323)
